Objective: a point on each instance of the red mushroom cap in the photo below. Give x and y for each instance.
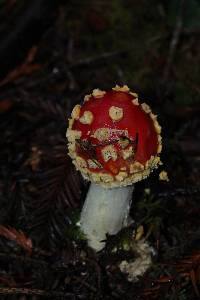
(113, 140)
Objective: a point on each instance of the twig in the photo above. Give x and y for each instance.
(25, 259)
(26, 68)
(186, 267)
(174, 41)
(27, 291)
(97, 269)
(195, 87)
(70, 49)
(35, 261)
(94, 59)
(89, 286)
(180, 192)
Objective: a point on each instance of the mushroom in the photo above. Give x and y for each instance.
(114, 142)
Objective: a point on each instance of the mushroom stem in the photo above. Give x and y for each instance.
(105, 211)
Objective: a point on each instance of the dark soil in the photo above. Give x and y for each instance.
(51, 55)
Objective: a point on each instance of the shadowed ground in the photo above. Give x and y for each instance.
(153, 47)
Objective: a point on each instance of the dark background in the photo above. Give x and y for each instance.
(52, 53)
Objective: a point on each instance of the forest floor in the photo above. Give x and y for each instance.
(153, 47)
